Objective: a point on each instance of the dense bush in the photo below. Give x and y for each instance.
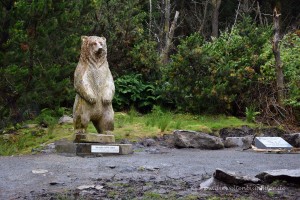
(217, 76)
(290, 48)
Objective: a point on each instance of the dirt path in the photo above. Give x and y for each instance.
(17, 180)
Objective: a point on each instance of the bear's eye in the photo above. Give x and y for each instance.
(94, 43)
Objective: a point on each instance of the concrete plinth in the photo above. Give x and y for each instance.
(94, 138)
(92, 149)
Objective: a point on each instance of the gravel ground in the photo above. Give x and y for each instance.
(161, 171)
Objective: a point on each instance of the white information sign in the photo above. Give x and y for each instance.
(271, 142)
(105, 149)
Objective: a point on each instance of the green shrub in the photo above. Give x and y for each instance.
(251, 114)
(132, 91)
(218, 76)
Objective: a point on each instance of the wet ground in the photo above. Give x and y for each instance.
(149, 173)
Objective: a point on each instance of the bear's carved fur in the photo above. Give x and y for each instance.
(94, 87)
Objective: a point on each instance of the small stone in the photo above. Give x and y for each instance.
(111, 166)
(150, 168)
(85, 187)
(56, 183)
(39, 171)
(98, 187)
(65, 120)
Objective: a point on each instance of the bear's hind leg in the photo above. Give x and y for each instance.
(80, 124)
(107, 119)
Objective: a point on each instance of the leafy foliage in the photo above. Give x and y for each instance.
(40, 46)
(251, 114)
(132, 91)
(220, 75)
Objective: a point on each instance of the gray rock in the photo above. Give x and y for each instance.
(280, 174)
(193, 139)
(65, 120)
(56, 183)
(39, 171)
(234, 178)
(293, 139)
(85, 187)
(111, 166)
(149, 142)
(271, 132)
(236, 132)
(244, 142)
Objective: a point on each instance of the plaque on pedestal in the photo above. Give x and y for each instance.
(89, 149)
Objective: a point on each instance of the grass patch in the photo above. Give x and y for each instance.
(131, 126)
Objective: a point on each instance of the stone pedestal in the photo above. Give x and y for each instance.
(93, 145)
(94, 138)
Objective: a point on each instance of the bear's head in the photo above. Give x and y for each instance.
(93, 48)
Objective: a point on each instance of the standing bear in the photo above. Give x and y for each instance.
(94, 87)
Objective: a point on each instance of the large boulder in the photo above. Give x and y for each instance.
(271, 132)
(243, 142)
(292, 175)
(236, 132)
(293, 139)
(193, 139)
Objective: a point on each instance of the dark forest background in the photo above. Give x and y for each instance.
(196, 56)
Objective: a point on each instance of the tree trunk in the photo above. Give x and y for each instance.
(276, 51)
(258, 13)
(168, 40)
(215, 17)
(167, 32)
(204, 17)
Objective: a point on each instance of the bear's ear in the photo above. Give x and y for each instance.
(84, 38)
